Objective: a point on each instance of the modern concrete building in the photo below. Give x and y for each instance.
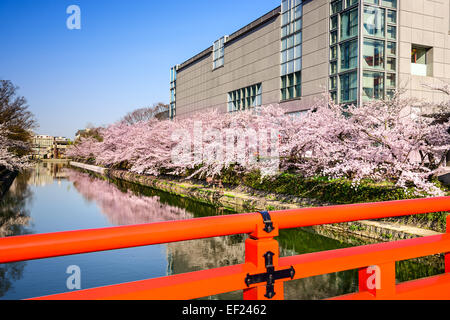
(356, 50)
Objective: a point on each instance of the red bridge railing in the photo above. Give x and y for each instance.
(264, 272)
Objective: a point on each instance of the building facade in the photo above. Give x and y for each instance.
(48, 147)
(356, 50)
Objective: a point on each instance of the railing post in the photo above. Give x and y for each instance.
(256, 247)
(447, 255)
(378, 280)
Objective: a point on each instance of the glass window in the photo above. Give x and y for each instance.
(391, 48)
(298, 12)
(349, 24)
(291, 86)
(285, 18)
(351, 2)
(333, 67)
(374, 21)
(391, 64)
(244, 98)
(333, 37)
(372, 1)
(373, 53)
(349, 55)
(336, 6)
(285, 30)
(297, 51)
(373, 85)
(392, 16)
(390, 80)
(333, 23)
(392, 32)
(285, 5)
(297, 25)
(349, 85)
(333, 83)
(218, 53)
(389, 3)
(333, 53)
(298, 38)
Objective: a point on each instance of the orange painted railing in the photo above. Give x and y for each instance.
(264, 272)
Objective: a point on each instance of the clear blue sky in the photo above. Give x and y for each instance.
(119, 60)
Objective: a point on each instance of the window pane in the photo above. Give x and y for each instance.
(392, 48)
(333, 37)
(333, 53)
(297, 65)
(333, 67)
(349, 24)
(290, 54)
(392, 32)
(373, 53)
(290, 80)
(374, 21)
(285, 5)
(283, 82)
(285, 18)
(336, 6)
(390, 80)
(298, 91)
(333, 83)
(389, 3)
(391, 64)
(373, 85)
(351, 2)
(372, 1)
(349, 55)
(297, 51)
(298, 38)
(290, 42)
(298, 78)
(290, 67)
(333, 22)
(297, 25)
(283, 69)
(283, 56)
(298, 12)
(349, 85)
(392, 16)
(290, 92)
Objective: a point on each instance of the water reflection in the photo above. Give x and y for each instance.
(124, 208)
(14, 220)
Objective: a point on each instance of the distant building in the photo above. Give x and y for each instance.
(356, 50)
(49, 147)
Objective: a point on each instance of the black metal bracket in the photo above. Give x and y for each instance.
(267, 221)
(270, 276)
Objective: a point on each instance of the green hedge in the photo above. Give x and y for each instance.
(338, 191)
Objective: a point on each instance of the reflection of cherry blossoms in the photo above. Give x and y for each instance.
(124, 208)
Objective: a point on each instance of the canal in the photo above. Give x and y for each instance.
(53, 198)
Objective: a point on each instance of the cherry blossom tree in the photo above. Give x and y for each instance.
(9, 159)
(379, 140)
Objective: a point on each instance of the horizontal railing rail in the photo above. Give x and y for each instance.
(256, 275)
(40, 246)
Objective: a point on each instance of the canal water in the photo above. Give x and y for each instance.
(53, 198)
